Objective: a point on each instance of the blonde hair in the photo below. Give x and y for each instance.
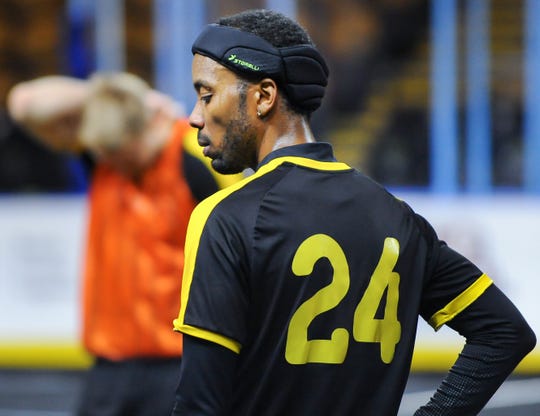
(115, 111)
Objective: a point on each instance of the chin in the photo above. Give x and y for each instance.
(220, 166)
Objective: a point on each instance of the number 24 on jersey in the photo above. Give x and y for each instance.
(366, 328)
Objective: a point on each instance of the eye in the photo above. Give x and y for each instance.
(206, 98)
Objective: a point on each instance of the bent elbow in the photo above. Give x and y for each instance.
(17, 102)
(528, 339)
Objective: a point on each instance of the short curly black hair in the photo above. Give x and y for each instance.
(274, 27)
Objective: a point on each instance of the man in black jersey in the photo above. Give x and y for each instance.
(303, 283)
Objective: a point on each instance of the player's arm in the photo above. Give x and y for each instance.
(50, 109)
(206, 378)
(497, 339)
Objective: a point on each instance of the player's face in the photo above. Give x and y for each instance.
(224, 117)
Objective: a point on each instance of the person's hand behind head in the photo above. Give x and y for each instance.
(125, 124)
(157, 101)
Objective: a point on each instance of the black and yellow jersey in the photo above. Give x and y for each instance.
(316, 275)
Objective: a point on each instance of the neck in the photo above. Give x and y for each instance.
(283, 133)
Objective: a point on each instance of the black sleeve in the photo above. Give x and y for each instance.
(199, 178)
(206, 378)
(497, 339)
(88, 163)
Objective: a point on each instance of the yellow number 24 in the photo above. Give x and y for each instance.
(366, 328)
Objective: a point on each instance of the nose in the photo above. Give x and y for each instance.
(195, 118)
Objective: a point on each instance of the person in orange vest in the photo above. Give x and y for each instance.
(145, 182)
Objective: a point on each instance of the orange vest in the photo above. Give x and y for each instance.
(134, 258)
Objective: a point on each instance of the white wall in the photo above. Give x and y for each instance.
(42, 241)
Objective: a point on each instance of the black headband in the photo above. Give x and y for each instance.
(300, 69)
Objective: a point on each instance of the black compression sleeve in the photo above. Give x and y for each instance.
(206, 378)
(199, 178)
(497, 339)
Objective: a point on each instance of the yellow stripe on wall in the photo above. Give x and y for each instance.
(436, 359)
(44, 355)
(70, 356)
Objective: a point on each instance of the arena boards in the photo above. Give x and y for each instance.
(42, 240)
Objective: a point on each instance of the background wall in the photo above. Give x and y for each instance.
(379, 114)
(42, 241)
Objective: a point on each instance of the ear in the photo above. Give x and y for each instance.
(267, 96)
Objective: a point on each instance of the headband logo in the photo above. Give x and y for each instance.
(237, 61)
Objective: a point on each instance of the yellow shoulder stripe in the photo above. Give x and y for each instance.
(463, 300)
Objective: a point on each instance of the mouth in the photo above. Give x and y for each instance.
(206, 152)
(204, 142)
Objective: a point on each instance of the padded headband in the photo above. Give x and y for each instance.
(299, 69)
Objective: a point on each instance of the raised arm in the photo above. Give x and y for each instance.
(50, 109)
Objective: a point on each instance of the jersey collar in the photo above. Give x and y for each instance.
(321, 152)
